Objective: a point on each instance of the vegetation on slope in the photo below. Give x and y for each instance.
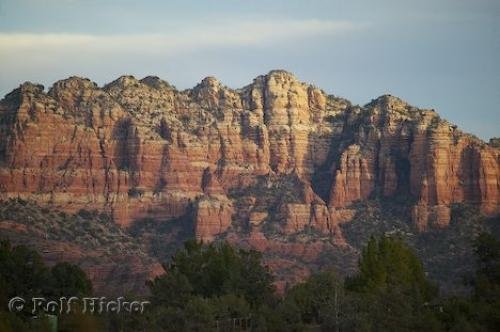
(90, 230)
(217, 287)
(447, 254)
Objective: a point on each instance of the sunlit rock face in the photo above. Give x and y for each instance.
(141, 148)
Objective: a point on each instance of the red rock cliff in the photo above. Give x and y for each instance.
(141, 148)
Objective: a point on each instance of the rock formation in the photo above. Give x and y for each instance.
(138, 148)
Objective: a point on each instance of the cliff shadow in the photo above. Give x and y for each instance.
(127, 146)
(162, 238)
(470, 160)
(324, 174)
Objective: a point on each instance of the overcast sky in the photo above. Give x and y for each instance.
(442, 54)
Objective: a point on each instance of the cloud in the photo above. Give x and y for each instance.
(221, 34)
(46, 57)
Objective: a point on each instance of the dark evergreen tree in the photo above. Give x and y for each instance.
(391, 291)
(24, 274)
(69, 280)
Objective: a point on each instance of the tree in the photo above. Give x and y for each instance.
(486, 299)
(69, 280)
(391, 290)
(23, 273)
(210, 285)
(315, 301)
(481, 310)
(487, 283)
(388, 262)
(214, 270)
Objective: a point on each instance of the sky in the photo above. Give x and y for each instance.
(441, 54)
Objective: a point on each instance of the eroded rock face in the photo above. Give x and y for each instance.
(213, 217)
(402, 150)
(141, 148)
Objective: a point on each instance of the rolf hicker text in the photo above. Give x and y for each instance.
(66, 305)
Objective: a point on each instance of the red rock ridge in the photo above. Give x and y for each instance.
(141, 148)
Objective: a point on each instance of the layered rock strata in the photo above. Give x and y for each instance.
(142, 148)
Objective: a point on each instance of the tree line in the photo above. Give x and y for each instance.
(218, 287)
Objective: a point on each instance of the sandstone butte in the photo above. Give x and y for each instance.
(142, 148)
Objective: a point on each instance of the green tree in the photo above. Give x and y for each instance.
(315, 301)
(214, 270)
(23, 273)
(481, 310)
(487, 281)
(388, 262)
(69, 280)
(207, 285)
(486, 298)
(391, 291)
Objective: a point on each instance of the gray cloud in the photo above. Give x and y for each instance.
(223, 33)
